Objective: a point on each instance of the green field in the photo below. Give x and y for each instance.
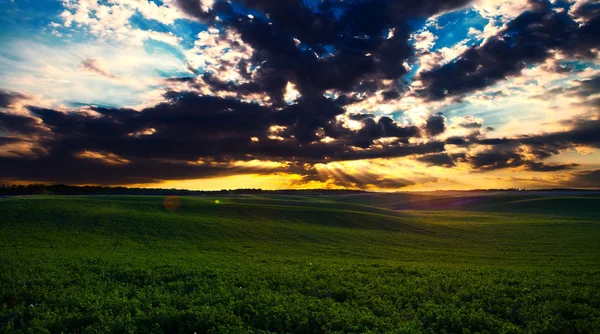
(300, 264)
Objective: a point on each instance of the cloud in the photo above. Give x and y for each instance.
(585, 179)
(469, 122)
(500, 159)
(504, 9)
(8, 140)
(442, 159)
(584, 10)
(424, 40)
(98, 171)
(337, 176)
(198, 131)
(196, 8)
(294, 86)
(96, 66)
(526, 40)
(223, 57)
(528, 151)
(367, 180)
(436, 124)
(7, 99)
(312, 48)
(54, 72)
(19, 125)
(112, 20)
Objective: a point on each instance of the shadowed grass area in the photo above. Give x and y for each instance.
(297, 264)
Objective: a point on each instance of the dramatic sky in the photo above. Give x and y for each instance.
(377, 95)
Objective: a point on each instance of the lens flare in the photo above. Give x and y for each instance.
(172, 203)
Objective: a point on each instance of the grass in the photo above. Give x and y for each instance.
(259, 264)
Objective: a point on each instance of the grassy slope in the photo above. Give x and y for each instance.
(295, 264)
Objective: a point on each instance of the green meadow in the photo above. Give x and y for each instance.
(363, 263)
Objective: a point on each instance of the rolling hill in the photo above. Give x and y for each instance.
(256, 263)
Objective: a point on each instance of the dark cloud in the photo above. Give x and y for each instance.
(588, 87)
(471, 124)
(542, 167)
(195, 9)
(583, 88)
(390, 95)
(8, 140)
(586, 9)
(436, 124)
(491, 160)
(585, 179)
(584, 132)
(526, 40)
(355, 48)
(385, 127)
(72, 170)
(366, 180)
(19, 125)
(525, 152)
(507, 152)
(528, 151)
(442, 159)
(344, 45)
(455, 140)
(497, 159)
(192, 136)
(361, 179)
(9, 98)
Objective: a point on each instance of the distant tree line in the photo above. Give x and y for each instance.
(62, 189)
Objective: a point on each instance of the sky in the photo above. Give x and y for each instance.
(377, 95)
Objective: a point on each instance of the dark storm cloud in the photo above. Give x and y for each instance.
(526, 40)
